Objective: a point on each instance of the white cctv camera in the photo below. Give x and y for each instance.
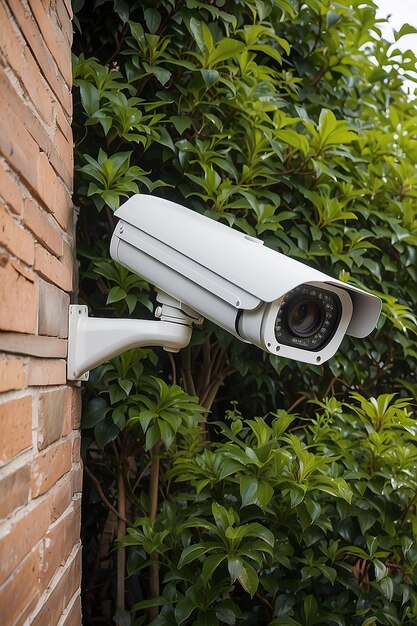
(255, 293)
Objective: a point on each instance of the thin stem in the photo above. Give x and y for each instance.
(296, 403)
(173, 368)
(330, 385)
(186, 372)
(121, 531)
(207, 364)
(153, 498)
(102, 496)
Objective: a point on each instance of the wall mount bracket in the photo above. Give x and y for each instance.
(93, 340)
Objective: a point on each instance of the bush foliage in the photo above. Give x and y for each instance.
(243, 488)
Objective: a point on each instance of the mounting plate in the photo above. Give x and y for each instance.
(76, 313)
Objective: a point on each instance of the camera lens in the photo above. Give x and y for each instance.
(308, 317)
(304, 317)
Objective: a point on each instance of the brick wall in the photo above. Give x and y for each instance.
(40, 472)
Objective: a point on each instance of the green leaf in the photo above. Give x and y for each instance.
(147, 604)
(248, 578)
(210, 565)
(406, 29)
(153, 19)
(310, 609)
(167, 433)
(90, 98)
(160, 73)
(183, 610)
(115, 295)
(126, 385)
(193, 552)
(234, 565)
(248, 490)
(116, 393)
(181, 123)
(227, 612)
(153, 435)
(105, 433)
(94, 412)
(387, 587)
(118, 418)
(210, 77)
(264, 493)
(223, 50)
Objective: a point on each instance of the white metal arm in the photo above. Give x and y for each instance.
(92, 341)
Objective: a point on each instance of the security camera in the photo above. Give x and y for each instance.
(255, 293)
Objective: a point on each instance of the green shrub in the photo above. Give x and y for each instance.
(288, 120)
(268, 526)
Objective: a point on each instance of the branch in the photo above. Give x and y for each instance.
(153, 497)
(121, 531)
(103, 497)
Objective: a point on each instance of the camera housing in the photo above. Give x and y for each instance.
(255, 293)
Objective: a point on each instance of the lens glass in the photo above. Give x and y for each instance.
(305, 318)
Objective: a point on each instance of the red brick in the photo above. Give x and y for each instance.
(41, 53)
(18, 297)
(36, 87)
(20, 590)
(61, 497)
(17, 145)
(64, 21)
(48, 467)
(65, 149)
(22, 537)
(10, 190)
(77, 481)
(53, 194)
(15, 426)
(18, 343)
(64, 208)
(43, 226)
(76, 447)
(15, 239)
(44, 133)
(59, 543)
(74, 616)
(68, 6)
(25, 68)
(10, 45)
(23, 617)
(20, 59)
(51, 417)
(47, 372)
(11, 375)
(76, 407)
(50, 268)
(47, 182)
(64, 124)
(67, 423)
(52, 609)
(14, 489)
(53, 310)
(54, 39)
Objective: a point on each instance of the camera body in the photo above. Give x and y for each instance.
(255, 293)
